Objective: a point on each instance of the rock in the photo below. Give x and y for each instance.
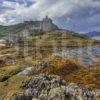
(52, 87)
(35, 99)
(43, 96)
(56, 94)
(26, 71)
(21, 97)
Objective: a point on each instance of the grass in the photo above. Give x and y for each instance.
(17, 82)
(85, 76)
(7, 72)
(71, 71)
(56, 90)
(1, 88)
(51, 38)
(68, 69)
(37, 36)
(58, 65)
(13, 86)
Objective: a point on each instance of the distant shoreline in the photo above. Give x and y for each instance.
(96, 38)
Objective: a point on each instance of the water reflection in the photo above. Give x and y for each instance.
(88, 55)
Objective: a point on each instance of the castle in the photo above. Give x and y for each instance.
(42, 26)
(27, 28)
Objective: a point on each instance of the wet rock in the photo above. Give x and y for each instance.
(25, 71)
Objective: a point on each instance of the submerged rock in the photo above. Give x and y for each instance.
(51, 87)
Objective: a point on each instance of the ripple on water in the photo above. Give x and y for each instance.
(86, 54)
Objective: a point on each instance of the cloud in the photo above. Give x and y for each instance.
(2, 20)
(78, 15)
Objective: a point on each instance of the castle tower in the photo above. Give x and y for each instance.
(46, 23)
(47, 19)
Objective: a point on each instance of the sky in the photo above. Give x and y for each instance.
(77, 15)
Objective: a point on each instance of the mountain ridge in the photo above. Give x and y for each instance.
(29, 28)
(33, 27)
(93, 33)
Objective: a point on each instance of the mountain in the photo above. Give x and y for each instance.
(29, 28)
(93, 34)
(32, 27)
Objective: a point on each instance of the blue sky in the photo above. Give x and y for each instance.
(77, 15)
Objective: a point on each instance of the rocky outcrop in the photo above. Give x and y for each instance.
(31, 27)
(43, 87)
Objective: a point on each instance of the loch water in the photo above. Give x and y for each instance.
(88, 55)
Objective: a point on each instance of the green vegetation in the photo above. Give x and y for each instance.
(37, 36)
(56, 90)
(60, 39)
(12, 86)
(77, 35)
(68, 69)
(59, 35)
(7, 72)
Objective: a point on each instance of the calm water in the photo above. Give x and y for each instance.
(88, 55)
(96, 37)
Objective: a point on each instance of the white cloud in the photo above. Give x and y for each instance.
(54, 8)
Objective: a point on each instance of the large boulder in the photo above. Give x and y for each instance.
(51, 87)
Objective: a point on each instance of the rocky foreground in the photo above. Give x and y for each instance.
(52, 87)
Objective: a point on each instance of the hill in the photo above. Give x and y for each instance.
(32, 27)
(93, 34)
(29, 28)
